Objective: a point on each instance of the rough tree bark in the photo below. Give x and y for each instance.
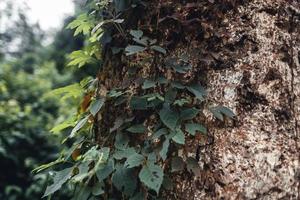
(246, 53)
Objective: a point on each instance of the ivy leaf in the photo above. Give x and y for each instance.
(219, 111)
(138, 103)
(120, 154)
(105, 169)
(198, 91)
(165, 148)
(134, 49)
(191, 128)
(177, 164)
(58, 180)
(188, 113)
(148, 84)
(138, 196)
(96, 106)
(136, 33)
(179, 137)
(121, 141)
(171, 95)
(169, 117)
(193, 166)
(79, 125)
(160, 132)
(134, 160)
(124, 180)
(152, 176)
(98, 189)
(158, 49)
(140, 128)
(177, 85)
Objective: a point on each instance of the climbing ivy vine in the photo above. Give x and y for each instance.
(134, 117)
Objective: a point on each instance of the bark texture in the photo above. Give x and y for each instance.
(257, 156)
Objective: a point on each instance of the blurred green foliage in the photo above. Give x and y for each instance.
(28, 71)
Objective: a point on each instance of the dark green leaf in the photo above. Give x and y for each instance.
(134, 160)
(169, 117)
(136, 33)
(152, 177)
(124, 180)
(158, 49)
(198, 91)
(193, 166)
(120, 154)
(96, 106)
(58, 180)
(105, 170)
(164, 150)
(78, 126)
(179, 137)
(171, 95)
(148, 84)
(98, 189)
(160, 132)
(191, 128)
(133, 49)
(177, 164)
(188, 113)
(121, 141)
(138, 103)
(140, 128)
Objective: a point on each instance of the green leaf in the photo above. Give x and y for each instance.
(158, 49)
(148, 84)
(179, 137)
(169, 117)
(83, 172)
(165, 148)
(98, 189)
(170, 95)
(124, 180)
(82, 25)
(140, 128)
(138, 103)
(134, 49)
(121, 141)
(198, 91)
(80, 58)
(105, 169)
(58, 180)
(138, 196)
(78, 126)
(96, 106)
(120, 154)
(66, 92)
(160, 132)
(219, 111)
(188, 113)
(136, 33)
(193, 166)
(58, 128)
(134, 160)
(177, 85)
(152, 176)
(191, 128)
(177, 164)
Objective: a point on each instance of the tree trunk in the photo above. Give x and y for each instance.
(246, 53)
